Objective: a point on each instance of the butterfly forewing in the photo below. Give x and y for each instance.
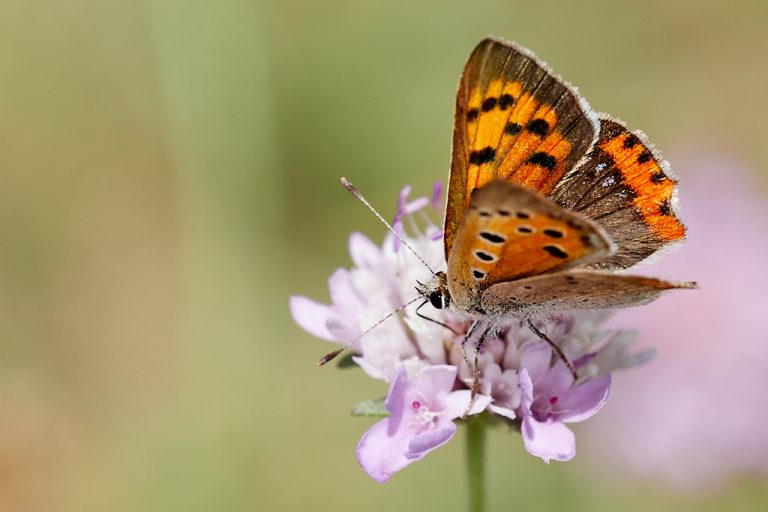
(625, 186)
(510, 232)
(516, 121)
(573, 290)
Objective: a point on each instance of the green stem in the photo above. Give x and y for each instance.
(476, 462)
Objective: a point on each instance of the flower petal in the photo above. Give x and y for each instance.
(456, 403)
(506, 394)
(434, 381)
(425, 442)
(536, 359)
(343, 293)
(381, 450)
(312, 316)
(502, 411)
(526, 387)
(374, 369)
(556, 381)
(364, 252)
(584, 400)
(548, 440)
(395, 401)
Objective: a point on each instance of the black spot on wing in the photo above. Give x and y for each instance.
(492, 237)
(556, 251)
(543, 159)
(489, 104)
(484, 256)
(631, 141)
(482, 156)
(512, 128)
(506, 101)
(538, 127)
(645, 156)
(472, 114)
(553, 233)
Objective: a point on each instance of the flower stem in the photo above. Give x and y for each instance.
(476, 462)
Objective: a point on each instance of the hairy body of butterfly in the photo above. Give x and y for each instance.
(546, 199)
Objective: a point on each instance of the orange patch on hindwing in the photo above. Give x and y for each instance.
(653, 189)
(536, 244)
(510, 232)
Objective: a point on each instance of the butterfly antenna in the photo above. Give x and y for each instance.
(330, 356)
(353, 190)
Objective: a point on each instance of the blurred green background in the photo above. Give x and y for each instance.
(170, 176)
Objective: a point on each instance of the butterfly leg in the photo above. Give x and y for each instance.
(555, 348)
(476, 371)
(425, 317)
(468, 337)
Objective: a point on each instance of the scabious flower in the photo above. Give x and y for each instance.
(426, 367)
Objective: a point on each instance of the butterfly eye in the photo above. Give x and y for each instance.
(436, 299)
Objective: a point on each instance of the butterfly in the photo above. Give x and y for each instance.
(547, 200)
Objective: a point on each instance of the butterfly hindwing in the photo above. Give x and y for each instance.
(625, 186)
(576, 289)
(516, 121)
(510, 232)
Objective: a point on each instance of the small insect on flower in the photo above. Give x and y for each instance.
(546, 200)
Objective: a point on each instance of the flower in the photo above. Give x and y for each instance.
(426, 364)
(422, 409)
(701, 419)
(549, 400)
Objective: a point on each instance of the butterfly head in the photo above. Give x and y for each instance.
(436, 291)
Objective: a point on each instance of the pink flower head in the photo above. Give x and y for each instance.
(425, 365)
(422, 410)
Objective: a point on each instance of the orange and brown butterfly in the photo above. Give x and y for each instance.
(546, 198)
